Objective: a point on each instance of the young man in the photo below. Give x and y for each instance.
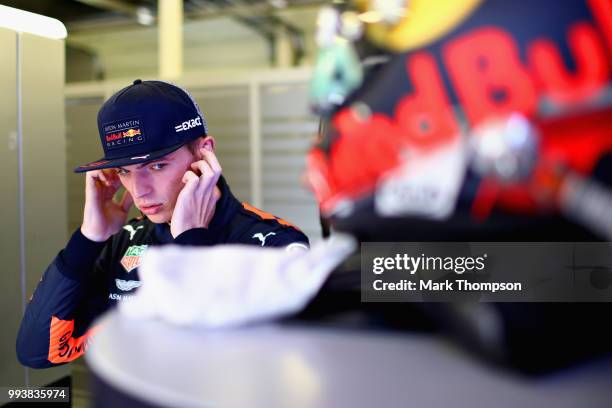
(156, 145)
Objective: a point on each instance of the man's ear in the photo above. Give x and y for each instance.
(204, 142)
(208, 142)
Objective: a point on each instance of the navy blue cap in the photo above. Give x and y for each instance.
(145, 121)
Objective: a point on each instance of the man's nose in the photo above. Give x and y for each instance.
(141, 185)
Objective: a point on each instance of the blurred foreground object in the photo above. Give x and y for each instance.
(145, 363)
(233, 284)
(474, 121)
(468, 109)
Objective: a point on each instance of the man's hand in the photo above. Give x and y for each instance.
(195, 205)
(102, 217)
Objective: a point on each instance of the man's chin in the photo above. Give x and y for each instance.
(158, 218)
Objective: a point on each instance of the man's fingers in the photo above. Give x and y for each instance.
(126, 201)
(216, 195)
(98, 178)
(89, 180)
(211, 159)
(111, 176)
(92, 181)
(208, 179)
(93, 174)
(101, 185)
(190, 179)
(210, 162)
(204, 168)
(108, 178)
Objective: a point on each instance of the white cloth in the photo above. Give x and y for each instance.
(231, 285)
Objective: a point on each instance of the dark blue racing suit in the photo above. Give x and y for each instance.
(87, 278)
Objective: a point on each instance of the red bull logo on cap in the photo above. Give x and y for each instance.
(123, 133)
(132, 132)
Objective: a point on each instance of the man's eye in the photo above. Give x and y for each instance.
(122, 172)
(158, 166)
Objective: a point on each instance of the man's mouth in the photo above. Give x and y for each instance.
(151, 209)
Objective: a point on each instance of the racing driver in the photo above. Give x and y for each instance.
(156, 145)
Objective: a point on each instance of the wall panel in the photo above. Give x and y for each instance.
(41, 68)
(11, 372)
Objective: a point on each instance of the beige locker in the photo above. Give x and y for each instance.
(32, 182)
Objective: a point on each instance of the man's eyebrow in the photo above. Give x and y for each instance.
(165, 158)
(140, 166)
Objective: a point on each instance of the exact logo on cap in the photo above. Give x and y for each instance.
(123, 133)
(188, 124)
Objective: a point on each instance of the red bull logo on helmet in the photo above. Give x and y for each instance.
(505, 57)
(493, 71)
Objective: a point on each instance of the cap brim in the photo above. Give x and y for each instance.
(126, 161)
